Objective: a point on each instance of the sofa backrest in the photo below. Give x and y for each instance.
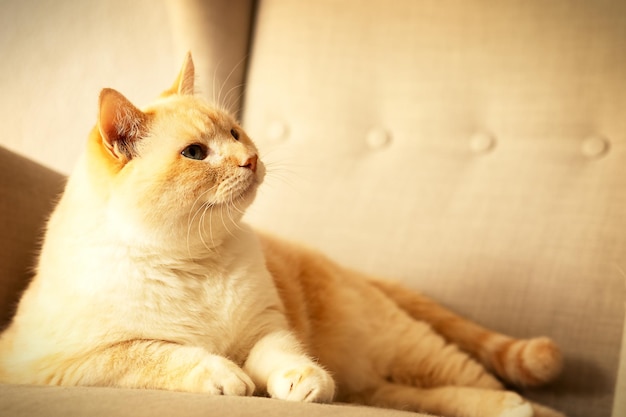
(474, 150)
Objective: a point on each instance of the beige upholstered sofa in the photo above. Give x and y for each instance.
(475, 150)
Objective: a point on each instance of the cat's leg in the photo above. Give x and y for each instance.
(423, 359)
(527, 362)
(154, 365)
(420, 357)
(447, 401)
(453, 401)
(278, 364)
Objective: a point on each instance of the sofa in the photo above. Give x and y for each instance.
(474, 151)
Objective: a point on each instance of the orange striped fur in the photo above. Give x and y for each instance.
(148, 278)
(528, 362)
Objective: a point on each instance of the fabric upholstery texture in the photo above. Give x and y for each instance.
(475, 151)
(20, 401)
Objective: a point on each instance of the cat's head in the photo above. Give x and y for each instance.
(178, 168)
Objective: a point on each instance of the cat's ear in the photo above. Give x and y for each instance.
(184, 83)
(121, 124)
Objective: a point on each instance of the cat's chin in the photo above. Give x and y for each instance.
(242, 195)
(245, 197)
(239, 198)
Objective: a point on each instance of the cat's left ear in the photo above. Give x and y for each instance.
(121, 124)
(184, 83)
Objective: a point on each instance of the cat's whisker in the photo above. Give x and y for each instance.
(190, 219)
(189, 223)
(233, 206)
(278, 173)
(200, 209)
(285, 179)
(211, 226)
(223, 222)
(230, 74)
(233, 222)
(217, 66)
(279, 166)
(228, 101)
(287, 173)
(202, 228)
(284, 166)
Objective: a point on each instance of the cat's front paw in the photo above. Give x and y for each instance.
(307, 383)
(219, 376)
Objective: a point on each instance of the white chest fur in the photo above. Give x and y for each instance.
(223, 301)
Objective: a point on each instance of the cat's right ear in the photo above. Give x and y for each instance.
(121, 124)
(184, 84)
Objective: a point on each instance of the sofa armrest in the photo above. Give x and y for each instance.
(28, 192)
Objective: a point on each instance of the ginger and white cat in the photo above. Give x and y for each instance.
(142, 283)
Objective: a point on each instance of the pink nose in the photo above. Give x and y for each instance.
(250, 163)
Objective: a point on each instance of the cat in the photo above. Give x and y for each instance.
(148, 278)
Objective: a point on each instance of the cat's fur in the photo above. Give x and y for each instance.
(148, 279)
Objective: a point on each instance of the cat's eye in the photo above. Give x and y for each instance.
(195, 151)
(234, 134)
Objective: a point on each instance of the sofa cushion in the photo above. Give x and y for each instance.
(31, 401)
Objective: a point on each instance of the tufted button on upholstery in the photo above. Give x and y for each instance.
(482, 142)
(595, 146)
(277, 131)
(378, 138)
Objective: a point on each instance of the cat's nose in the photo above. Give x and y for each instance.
(250, 163)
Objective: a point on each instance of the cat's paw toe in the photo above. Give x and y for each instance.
(230, 383)
(513, 405)
(307, 383)
(219, 376)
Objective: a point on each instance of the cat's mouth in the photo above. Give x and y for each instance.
(238, 191)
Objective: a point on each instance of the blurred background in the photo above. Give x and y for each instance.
(58, 55)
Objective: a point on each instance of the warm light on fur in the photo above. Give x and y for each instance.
(148, 279)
